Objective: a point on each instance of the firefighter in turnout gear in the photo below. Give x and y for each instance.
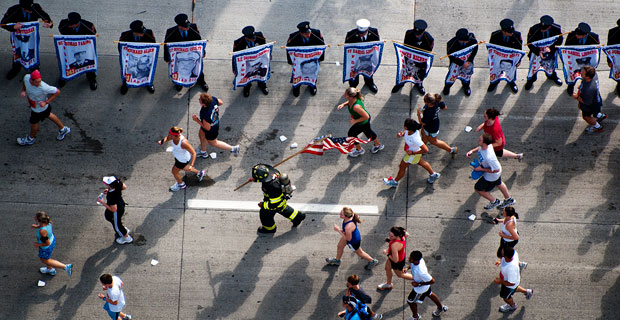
(277, 189)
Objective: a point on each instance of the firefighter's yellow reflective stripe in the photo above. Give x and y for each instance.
(293, 215)
(270, 228)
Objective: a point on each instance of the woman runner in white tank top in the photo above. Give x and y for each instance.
(509, 236)
(184, 157)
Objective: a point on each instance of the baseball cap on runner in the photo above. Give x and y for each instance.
(109, 179)
(35, 75)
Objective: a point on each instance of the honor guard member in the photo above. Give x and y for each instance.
(184, 31)
(137, 33)
(417, 38)
(250, 39)
(580, 37)
(363, 33)
(506, 37)
(306, 36)
(613, 37)
(543, 30)
(462, 40)
(277, 189)
(74, 25)
(25, 11)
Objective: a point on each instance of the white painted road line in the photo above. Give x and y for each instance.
(227, 205)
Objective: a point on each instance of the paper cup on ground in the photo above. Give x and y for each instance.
(472, 217)
(41, 283)
(154, 262)
(282, 138)
(293, 145)
(213, 155)
(467, 128)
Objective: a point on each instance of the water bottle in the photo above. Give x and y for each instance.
(100, 198)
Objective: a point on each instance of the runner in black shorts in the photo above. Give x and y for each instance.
(396, 257)
(210, 126)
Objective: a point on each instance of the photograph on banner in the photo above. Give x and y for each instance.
(546, 61)
(305, 64)
(253, 64)
(503, 63)
(413, 65)
(25, 45)
(576, 57)
(75, 55)
(361, 59)
(185, 61)
(138, 63)
(613, 53)
(461, 72)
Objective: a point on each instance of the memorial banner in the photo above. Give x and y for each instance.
(25, 45)
(186, 61)
(253, 64)
(412, 65)
(613, 52)
(545, 61)
(138, 63)
(576, 57)
(461, 72)
(361, 58)
(305, 64)
(75, 55)
(503, 63)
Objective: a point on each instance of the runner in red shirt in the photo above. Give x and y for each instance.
(396, 257)
(492, 126)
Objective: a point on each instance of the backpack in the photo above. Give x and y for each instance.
(361, 309)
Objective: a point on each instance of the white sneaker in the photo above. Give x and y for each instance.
(356, 153)
(376, 149)
(390, 182)
(529, 293)
(25, 141)
(201, 174)
(202, 154)
(507, 308)
(433, 177)
(492, 205)
(62, 133)
(177, 187)
(45, 270)
(124, 240)
(438, 312)
(522, 266)
(235, 150)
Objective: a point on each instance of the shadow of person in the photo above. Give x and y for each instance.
(284, 304)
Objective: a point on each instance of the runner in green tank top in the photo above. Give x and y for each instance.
(360, 121)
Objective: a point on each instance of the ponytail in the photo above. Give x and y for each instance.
(348, 212)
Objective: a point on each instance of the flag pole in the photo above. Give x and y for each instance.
(287, 159)
(193, 7)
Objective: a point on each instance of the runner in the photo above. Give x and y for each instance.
(421, 283)
(184, 157)
(492, 126)
(210, 126)
(509, 236)
(350, 237)
(115, 208)
(396, 257)
(46, 241)
(414, 147)
(360, 121)
(428, 115)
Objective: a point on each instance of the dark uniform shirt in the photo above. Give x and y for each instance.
(242, 44)
(175, 34)
(425, 42)
(83, 29)
(535, 34)
(353, 36)
(273, 195)
(15, 14)
(295, 39)
(613, 37)
(128, 36)
(454, 45)
(513, 41)
(591, 38)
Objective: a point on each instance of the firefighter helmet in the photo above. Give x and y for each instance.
(263, 172)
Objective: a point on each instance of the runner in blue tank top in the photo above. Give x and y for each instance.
(46, 243)
(351, 237)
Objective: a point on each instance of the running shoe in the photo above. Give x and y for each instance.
(356, 153)
(377, 316)
(492, 205)
(438, 312)
(371, 264)
(376, 149)
(45, 270)
(522, 266)
(529, 293)
(332, 261)
(202, 154)
(519, 156)
(201, 174)
(507, 308)
(601, 118)
(124, 240)
(69, 269)
(62, 133)
(128, 317)
(235, 150)
(507, 202)
(385, 286)
(592, 129)
(177, 187)
(454, 151)
(25, 141)
(390, 182)
(433, 177)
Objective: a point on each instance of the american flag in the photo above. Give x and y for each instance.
(344, 145)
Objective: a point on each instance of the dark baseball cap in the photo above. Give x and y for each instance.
(181, 20)
(583, 28)
(419, 26)
(137, 26)
(462, 34)
(304, 27)
(546, 20)
(74, 17)
(507, 25)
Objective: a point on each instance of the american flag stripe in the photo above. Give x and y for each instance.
(344, 145)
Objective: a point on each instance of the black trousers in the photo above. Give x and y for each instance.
(115, 218)
(357, 128)
(266, 216)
